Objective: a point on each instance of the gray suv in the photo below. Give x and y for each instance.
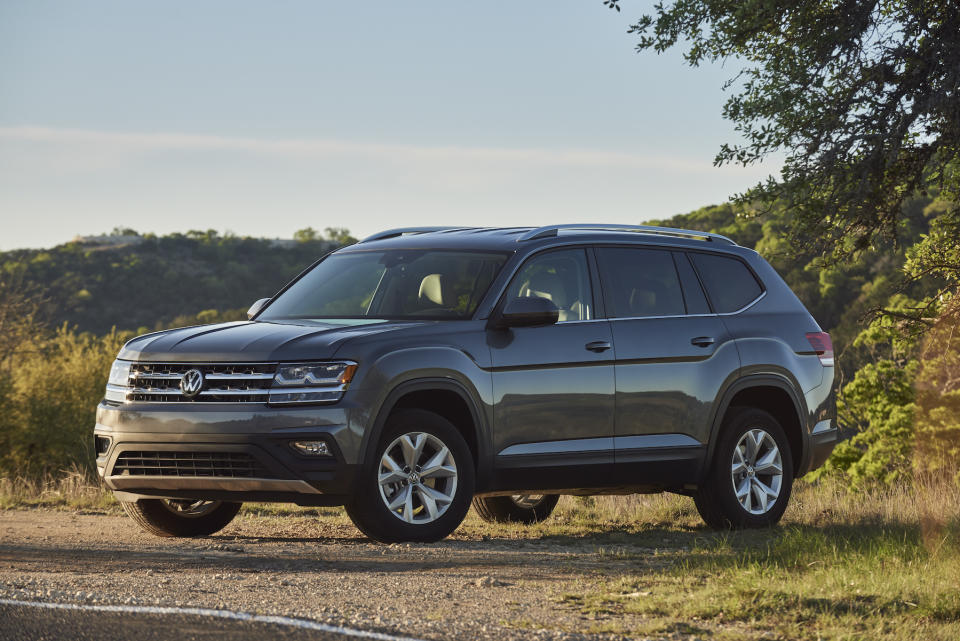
(423, 369)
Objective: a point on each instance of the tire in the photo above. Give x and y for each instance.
(519, 508)
(414, 497)
(166, 517)
(735, 467)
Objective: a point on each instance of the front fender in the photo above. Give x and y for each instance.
(400, 372)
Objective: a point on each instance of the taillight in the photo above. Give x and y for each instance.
(823, 346)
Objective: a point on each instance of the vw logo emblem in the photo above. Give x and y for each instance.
(191, 383)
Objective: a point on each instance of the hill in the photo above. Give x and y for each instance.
(149, 281)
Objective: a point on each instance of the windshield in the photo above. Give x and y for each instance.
(394, 284)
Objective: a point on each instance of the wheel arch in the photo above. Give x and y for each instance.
(448, 398)
(774, 394)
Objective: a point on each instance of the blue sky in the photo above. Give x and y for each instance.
(262, 118)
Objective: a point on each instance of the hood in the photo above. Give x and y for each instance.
(254, 341)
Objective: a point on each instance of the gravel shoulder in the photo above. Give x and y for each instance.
(314, 567)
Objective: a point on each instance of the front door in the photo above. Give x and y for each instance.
(554, 385)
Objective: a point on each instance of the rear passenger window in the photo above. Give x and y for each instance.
(639, 282)
(730, 285)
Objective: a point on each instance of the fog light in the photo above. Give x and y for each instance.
(102, 444)
(312, 448)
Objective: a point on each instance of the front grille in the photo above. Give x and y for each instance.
(216, 464)
(223, 382)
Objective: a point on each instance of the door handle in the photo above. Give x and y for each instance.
(702, 341)
(598, 346)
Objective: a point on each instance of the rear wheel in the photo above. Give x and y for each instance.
(418, 485)
(174, 517)
(751, 477)
(518, 508)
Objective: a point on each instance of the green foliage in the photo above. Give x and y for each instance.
(48, 401)
(306, 235)
(938, 400)
(155, 280)
(861, 98)
(881, 361)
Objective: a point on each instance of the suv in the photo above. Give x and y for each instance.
(421, 369)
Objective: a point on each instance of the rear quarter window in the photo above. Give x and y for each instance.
(730, 283)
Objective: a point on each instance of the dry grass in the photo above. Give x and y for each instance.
(842, 565)
(71, 490)
(881, 565)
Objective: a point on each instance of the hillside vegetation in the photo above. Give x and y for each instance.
(152, 280)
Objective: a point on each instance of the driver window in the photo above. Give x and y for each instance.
(560, 276)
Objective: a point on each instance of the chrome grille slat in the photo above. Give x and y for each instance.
(210, 377)
(223, 382)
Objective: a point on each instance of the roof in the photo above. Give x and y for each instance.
(517, 238)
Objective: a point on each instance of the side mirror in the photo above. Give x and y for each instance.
(256, 307)
(529, 312)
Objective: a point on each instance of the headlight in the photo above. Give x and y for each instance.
(118, 384)
(311, 382)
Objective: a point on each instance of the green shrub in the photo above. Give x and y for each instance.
(49, 399)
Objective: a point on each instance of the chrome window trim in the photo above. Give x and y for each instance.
(734, 313)
(584, 244)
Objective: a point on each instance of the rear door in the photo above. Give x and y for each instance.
(673, 355)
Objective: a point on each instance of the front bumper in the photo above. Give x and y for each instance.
(191, 450)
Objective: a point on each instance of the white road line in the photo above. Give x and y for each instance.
(303, 624)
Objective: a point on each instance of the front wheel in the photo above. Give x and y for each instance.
(171, 517)
(419, 483)
(751, 476)
(518, 508)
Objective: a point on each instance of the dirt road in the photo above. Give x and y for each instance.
(309, 567)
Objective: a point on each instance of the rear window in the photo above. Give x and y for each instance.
(639, 282)
(730, 284)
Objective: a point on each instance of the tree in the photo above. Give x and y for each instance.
(862, 96)
(340, 235)
(306, 235)
(21, 313)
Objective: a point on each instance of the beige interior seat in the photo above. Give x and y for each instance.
(552, 287)
(431, 290)
(647, 298)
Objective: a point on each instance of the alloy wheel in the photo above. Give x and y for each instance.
(757, 471)
(417, 478)
(527, 501)
(188, 508)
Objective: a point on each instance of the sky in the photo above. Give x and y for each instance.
(262, 118)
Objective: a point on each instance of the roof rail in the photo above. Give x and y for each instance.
(402, 231)
(553, 230)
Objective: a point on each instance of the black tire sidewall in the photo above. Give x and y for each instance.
(367, 510)
(497, 509)
(723, 491)
(152, 515)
